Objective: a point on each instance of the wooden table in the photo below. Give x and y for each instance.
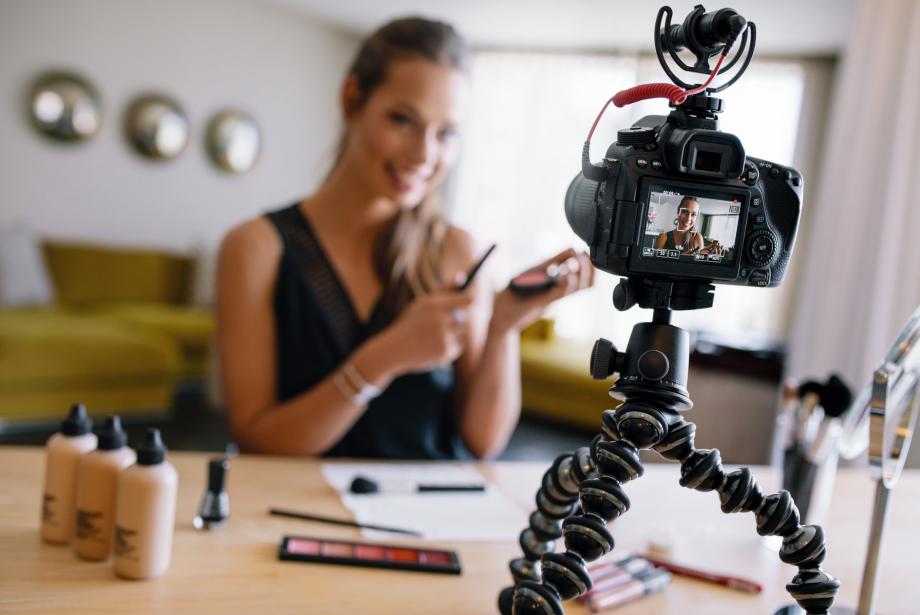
(236, 570)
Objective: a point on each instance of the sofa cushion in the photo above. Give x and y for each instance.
(192, 328)
(86, 274)
(556, 382)
(58, 347)
(53, 357)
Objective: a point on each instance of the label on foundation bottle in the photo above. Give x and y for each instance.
(47, 509)
(88, 525)
(123, 543)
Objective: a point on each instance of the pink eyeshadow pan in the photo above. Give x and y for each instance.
(337, 549)
(369, 552)
(303, 547)
(435, 557)
(532, 277)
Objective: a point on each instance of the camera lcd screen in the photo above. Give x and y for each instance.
(691, 228)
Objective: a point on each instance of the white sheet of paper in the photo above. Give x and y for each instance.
(457, 516)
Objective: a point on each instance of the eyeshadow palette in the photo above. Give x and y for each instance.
(304, 549)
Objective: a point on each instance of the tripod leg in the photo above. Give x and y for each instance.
(803, 546)
(613, 459)
(555, 501)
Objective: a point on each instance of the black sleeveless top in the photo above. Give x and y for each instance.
(671, 244)
(317, 328)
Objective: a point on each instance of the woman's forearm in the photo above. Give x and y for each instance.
(312, 422)
(492, 403)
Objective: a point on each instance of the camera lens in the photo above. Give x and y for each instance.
(580, 208)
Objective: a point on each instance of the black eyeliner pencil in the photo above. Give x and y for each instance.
(476, 267)
(332, 520)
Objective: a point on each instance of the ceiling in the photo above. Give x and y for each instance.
(784, 27)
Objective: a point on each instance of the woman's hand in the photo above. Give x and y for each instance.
(431, 331)
(513, 312)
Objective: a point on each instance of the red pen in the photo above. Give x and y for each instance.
(738, 583)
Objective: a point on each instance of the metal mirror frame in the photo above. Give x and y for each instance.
(65, 107)
(890, 397)
(224, 141)
(894, 404)
(157, 127)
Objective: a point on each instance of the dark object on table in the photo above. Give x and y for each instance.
(215, 506)
(346, 522)
(323, 551)
(364, 485)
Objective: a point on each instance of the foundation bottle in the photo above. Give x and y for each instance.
(96, 482)
(145, 511)
(64, 451)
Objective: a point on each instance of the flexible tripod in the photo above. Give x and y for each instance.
(652, 386)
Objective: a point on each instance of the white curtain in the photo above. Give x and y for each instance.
(861, 278)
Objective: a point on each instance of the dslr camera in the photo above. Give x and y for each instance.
(675, 199)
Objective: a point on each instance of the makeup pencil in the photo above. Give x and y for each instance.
(346, 522)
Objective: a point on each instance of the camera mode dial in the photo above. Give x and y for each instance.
(761, 247)
(636, 136)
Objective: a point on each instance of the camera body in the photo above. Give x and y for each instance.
(676, 199)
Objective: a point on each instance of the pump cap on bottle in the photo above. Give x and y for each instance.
(152, 450)
(77, 422)
(112, 437)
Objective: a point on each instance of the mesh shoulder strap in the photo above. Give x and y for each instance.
(308, 258)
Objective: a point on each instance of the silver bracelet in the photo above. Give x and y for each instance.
(354, 387)
(365, 390)
(349, 393)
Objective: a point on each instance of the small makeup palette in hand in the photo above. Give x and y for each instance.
(536, 281)
(320, 550)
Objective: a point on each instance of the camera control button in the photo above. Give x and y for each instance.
(760, 277)
(636, 136)
(653, 365)
(641, 163)
(751, 174)
(762, 247)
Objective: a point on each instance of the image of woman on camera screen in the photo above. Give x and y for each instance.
(686, 236)
(342, 327)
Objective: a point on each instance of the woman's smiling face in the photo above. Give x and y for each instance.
(404, 138)
(687, 214)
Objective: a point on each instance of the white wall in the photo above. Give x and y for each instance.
(284, 68)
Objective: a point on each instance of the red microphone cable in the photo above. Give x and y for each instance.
(676, 95)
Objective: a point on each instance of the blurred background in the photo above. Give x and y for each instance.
(192, 116)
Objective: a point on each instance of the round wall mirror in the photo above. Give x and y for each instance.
(157, 127)
(65, 107)
(234, 141)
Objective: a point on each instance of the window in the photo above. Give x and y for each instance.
(528, 118)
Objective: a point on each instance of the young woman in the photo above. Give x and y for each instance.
(341, 327)
(685, 236)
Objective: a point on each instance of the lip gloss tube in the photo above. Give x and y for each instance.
(653, 582)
